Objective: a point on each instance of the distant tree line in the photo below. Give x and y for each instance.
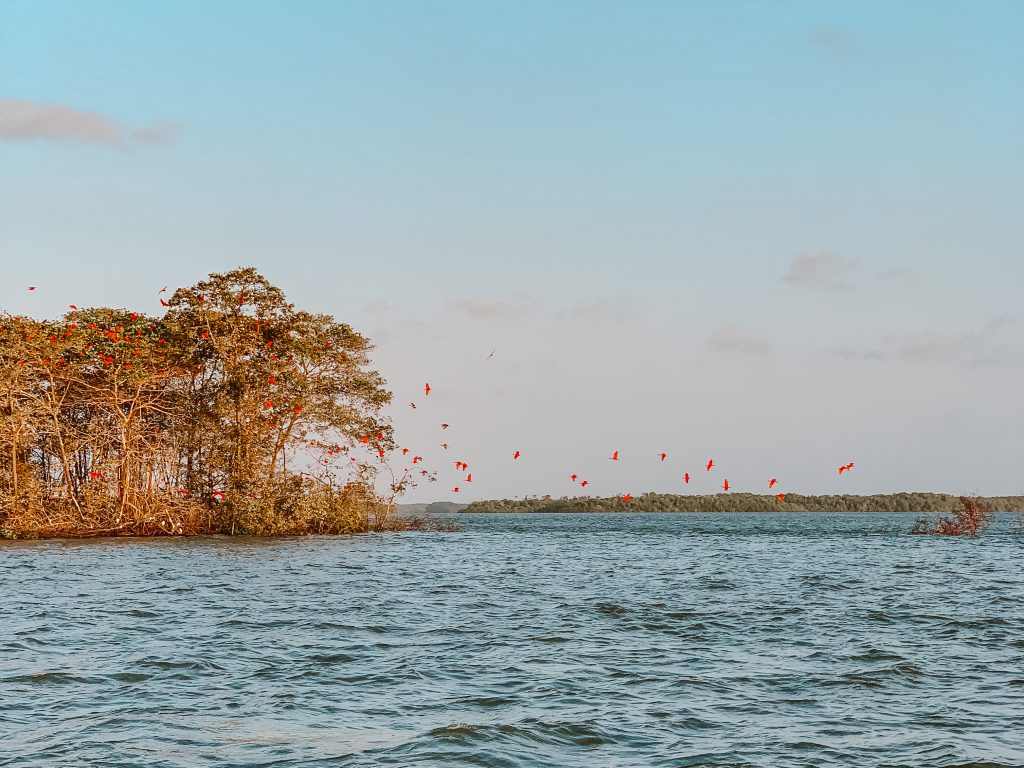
(234, 412)
(920, 503)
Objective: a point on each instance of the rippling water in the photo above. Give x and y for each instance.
(610, 640)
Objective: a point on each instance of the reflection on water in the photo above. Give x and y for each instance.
(606, 640)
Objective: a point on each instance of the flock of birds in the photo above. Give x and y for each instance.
(462, 466)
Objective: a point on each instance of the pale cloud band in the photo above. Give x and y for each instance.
(22, 120)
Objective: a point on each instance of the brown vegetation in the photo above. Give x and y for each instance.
(233, 413)
(966, 521)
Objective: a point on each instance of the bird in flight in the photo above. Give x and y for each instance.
(444, 426)
(584, 483)
(711, 463)
(426, 390)
(846, 468)
(164, 303)
(614, 456)
(72, 306)
(31, 287)
(445, 446)
(515, 455)
(771, 483)
(455, 489)
(164, 289)
(490, 355)
(469, 478)
(725, 485)
(412, 405)
(663, 456)
(573, 478)
(686, 477)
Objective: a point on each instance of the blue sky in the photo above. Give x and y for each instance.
(788, 234)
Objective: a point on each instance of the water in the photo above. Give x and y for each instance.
(611, 640)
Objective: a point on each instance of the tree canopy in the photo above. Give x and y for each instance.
(235, 412)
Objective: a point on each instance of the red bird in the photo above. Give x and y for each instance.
(614, 456)
(771, 483)
(711, 463)
(163, 290)
(417, 459)
(469, 478)
(663, 456)
(455, 489)
(405, 451)
(426, 390)
(412, 405)
(725, 486)
(72, 306)
(584, 484)
(31, 287)
(164, 303)
(781, 496)
(515, 455)
(444, 426)
(269, 404)
(364, 439)
(271, 380)
(573, 478)
(686, 477)
(627, 497)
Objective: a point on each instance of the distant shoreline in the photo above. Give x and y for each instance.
(909, 503)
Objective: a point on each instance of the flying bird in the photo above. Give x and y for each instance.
(469, 478)
(584, 483)
(614, 456)
(490, 355)
(426, 390)
(163, 290)
(412, 405)
(686, 477)
(711, 463)
(72, 306)
(573, 478)
(455, 489)
(663, 456)
(725, 486)
(444, 426)
(515, 455)
(771, 483)
(164, 303)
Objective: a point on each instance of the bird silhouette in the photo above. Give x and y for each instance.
(711, 463)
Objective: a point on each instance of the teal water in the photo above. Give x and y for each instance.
(533, 641)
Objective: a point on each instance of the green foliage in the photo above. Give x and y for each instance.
(234, 413)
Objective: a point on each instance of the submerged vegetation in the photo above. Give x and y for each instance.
(232, 413)
(922, 503)
(972, 516)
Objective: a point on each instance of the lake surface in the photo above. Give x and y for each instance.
(540, 641)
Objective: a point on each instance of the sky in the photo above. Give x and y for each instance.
(783, 235)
